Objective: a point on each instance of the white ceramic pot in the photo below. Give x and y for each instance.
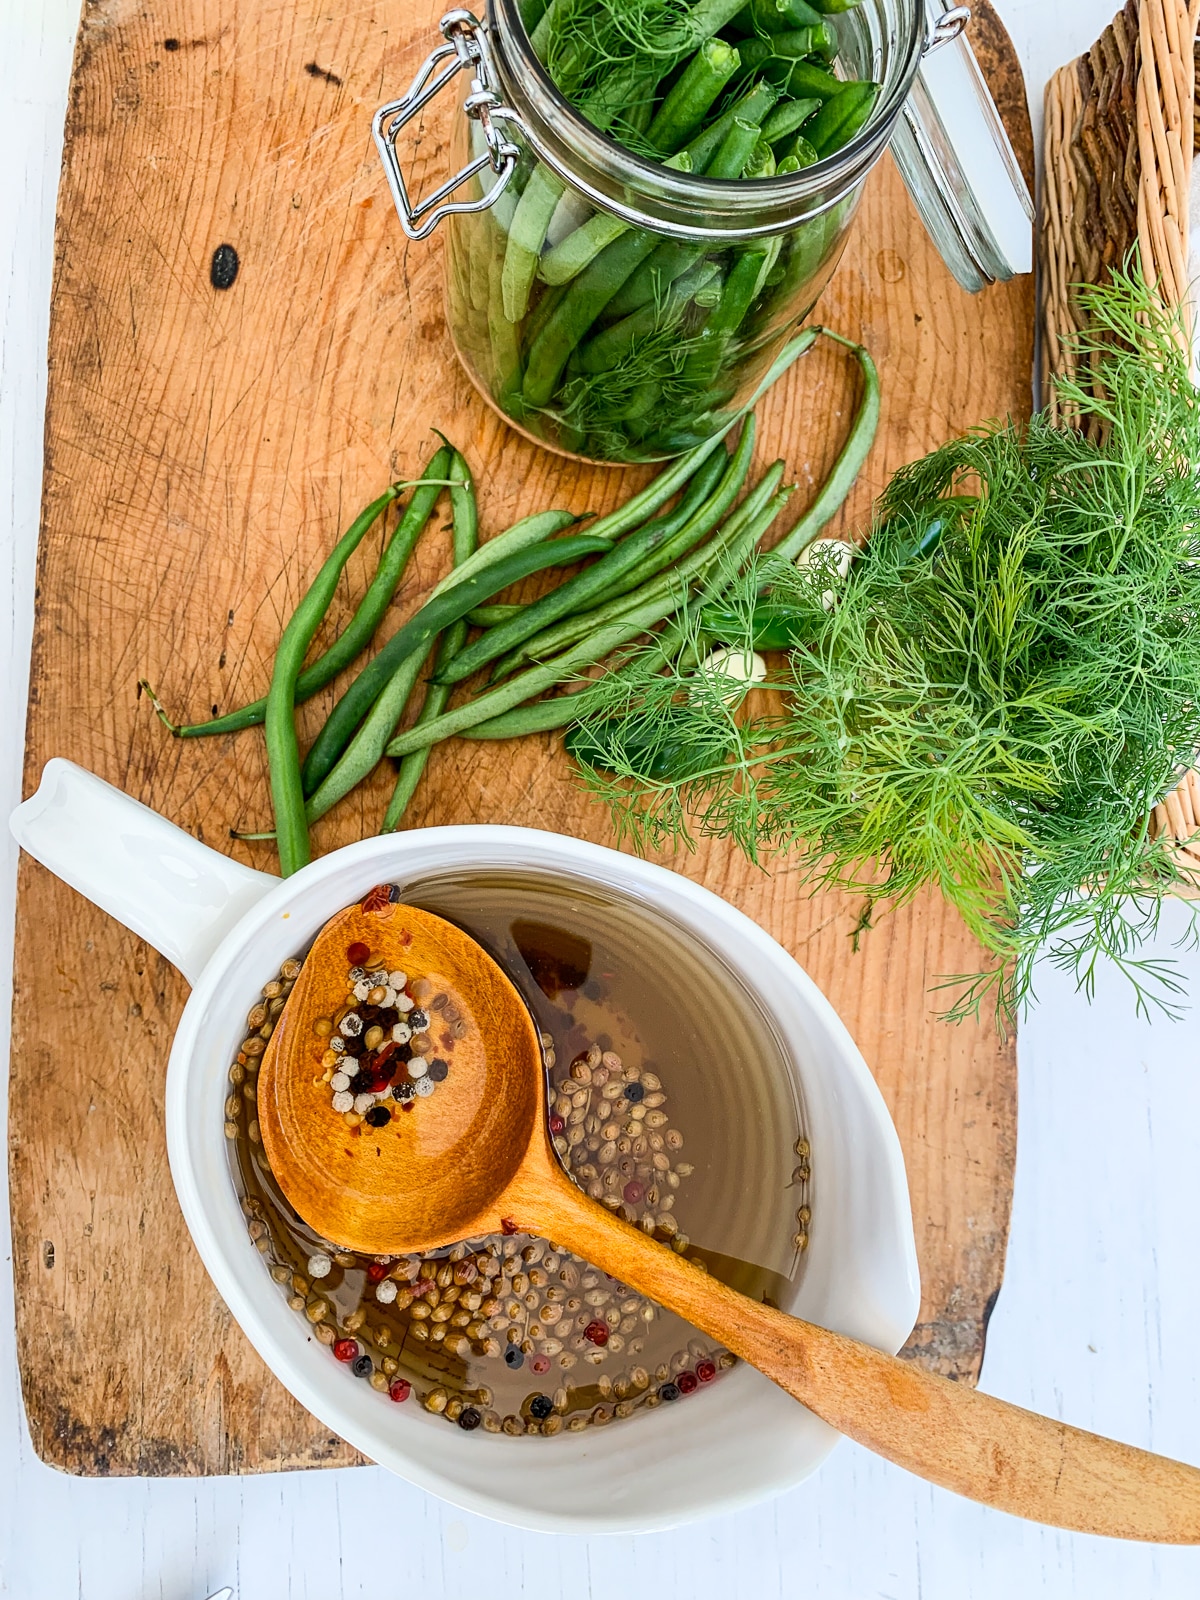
(227, 929)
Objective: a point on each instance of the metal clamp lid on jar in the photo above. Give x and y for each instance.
(949, 143)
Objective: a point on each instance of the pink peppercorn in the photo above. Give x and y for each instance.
(357, 953)
(539, 1364)
(557, 1124)
(596, 1332)
(706, 1371)
(633, 1192)
(377, 1272)
(399, 1389)
(687, 1383)
(346, 1349)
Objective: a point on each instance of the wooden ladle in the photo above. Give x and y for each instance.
(475, 1158)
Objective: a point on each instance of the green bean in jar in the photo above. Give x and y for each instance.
(618, 341)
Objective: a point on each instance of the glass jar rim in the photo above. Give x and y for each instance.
(646, 192)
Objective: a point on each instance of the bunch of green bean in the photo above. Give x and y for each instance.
(610, 340)
(698, 518)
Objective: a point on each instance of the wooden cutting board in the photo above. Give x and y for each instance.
(203, 449)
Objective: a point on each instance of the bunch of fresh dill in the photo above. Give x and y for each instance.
(996, 718)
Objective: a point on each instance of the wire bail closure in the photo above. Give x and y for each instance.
(947, 28)
(465, 47)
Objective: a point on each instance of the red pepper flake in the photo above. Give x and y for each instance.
(507, 1225)
(596, 1333)
(399, 1389)
(377, 1272)
(706, 1371)
(556, 1124)
(378, 897)
(687, 1383)
(404, 938)
(357, 953)
(346, 1349)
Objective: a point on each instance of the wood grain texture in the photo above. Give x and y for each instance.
(202, 449)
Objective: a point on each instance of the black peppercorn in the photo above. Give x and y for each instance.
(363, 1367)
(669, 1391)
(634, 1093)
(438, 1069)
(469, 1418)
(378, 1116)
(418, 1020)
(513, 1357)
(541, 1406)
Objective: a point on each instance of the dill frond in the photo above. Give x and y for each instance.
(996, 718)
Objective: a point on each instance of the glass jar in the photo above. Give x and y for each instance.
(618, 310)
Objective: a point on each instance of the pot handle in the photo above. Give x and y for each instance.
(174, 892)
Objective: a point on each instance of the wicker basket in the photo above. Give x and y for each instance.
(1122, 124)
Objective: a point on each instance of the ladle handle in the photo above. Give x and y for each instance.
(948, 1433)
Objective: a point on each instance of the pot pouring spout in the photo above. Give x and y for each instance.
(176, 893)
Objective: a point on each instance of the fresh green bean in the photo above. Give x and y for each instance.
(788, 118)
(283, 751)
(679, 470)
(659, 587)
(683, 530)
(350, 743)
(536, 680)
(687, 102)
(533, 530)
(539, 34)
(720, 574)
(543, 716)
(849, 463)
(722, 490)
(489, 616)
(577, 593)
(721, 480)
(357, 633)
(464, 538)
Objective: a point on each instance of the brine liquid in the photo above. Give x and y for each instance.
(717, 1166)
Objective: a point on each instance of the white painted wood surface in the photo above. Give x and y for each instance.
(1096, 1322)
